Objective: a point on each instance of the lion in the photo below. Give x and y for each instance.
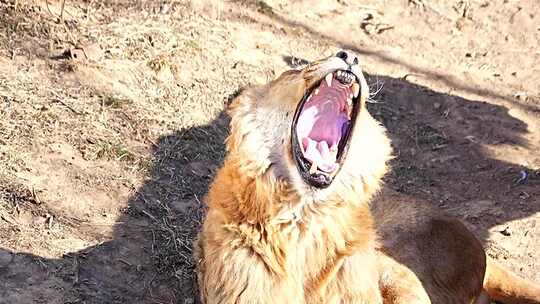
(289, 217)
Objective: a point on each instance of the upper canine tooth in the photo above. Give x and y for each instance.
(328, 79)
(316, 92)
(355, 89)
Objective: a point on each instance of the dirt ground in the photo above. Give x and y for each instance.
(112, 126)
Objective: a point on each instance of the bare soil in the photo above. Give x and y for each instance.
(112, 126)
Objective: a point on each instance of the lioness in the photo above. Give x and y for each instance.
(289, 219)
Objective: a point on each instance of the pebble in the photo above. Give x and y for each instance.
(5, 258)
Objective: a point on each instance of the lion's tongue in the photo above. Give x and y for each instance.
(319, 153)
(320, 126)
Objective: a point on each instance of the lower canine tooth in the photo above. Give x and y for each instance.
(333, 174)
(328, 79)
(355, 89)
(313, 168)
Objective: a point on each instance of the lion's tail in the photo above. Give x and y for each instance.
(504, 286)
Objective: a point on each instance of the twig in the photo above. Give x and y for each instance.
(88, 10)
(61, 20)
(7, 219)
(62, 11)
(125, 262)
(75, 270)
(423, 5)
(48, 8)
(60, 101)
(368, 7)
(404, 77)
(147, 214)
(36, 197)
(151, 141)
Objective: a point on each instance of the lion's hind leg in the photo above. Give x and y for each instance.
(398, 284)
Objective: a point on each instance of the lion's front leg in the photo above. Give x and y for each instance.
(356, 282)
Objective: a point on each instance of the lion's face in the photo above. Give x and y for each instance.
(311, 128)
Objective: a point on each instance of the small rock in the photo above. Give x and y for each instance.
(164, 9)
(521, 96)
(506, 231)
(182, 206)
(436, 105)
(5, 258)
(189, 301)
(201, 168)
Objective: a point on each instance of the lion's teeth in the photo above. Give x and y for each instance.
(333, 174)
(313, 168)
(328, 79)
(355, 89)
(316, 92)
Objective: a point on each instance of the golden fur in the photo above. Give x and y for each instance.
(270, 238)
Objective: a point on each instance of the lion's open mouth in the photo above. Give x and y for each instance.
(322, 126)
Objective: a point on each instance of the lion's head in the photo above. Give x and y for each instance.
(310, 129)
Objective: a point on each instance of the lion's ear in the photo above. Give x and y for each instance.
(295, 62)
(230, 99)
(239, 101)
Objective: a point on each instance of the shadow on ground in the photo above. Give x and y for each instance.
(439, 142)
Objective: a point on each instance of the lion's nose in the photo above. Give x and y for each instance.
(349, 57)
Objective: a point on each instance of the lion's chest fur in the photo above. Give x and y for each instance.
(325, 257)
(332, 256)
